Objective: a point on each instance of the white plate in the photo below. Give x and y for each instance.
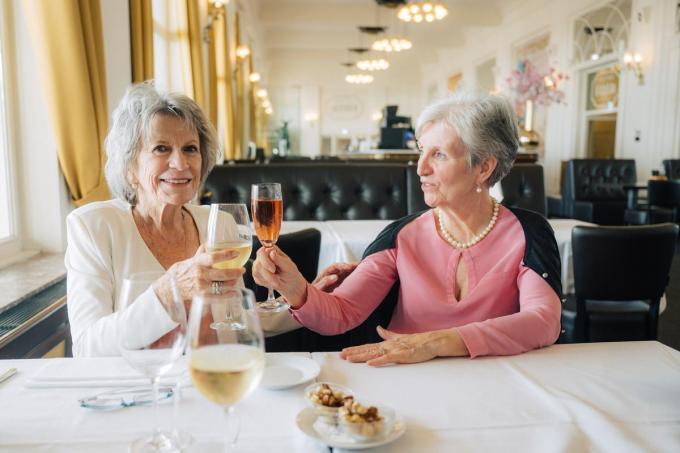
(305, 422)
(284, 371)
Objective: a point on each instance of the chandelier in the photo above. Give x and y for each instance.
(359, 79)
(391, 44)
(373, 65)
(420, 11)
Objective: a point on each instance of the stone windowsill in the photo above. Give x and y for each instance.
(24, 279)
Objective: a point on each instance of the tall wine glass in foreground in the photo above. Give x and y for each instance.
(225, 363)
(152, 338)
(267, 206)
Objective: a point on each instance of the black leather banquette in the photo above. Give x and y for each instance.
(324, 191)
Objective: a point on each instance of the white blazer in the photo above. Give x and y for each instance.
(104, 246)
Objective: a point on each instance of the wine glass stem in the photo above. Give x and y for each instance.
(155, 383)
(232, 428)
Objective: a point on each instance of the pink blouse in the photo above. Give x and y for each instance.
(508, 308)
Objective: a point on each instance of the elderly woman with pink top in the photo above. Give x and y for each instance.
(475, 278)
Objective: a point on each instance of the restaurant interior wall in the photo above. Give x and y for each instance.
(650, 120)
(399, 87)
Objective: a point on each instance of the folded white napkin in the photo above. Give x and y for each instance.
(100, 372)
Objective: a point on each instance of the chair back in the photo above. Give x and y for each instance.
(672, 169)
(663, 193)
(619, 271)
(600, 179)
(523, 187)
(302, 247)
(622, 263)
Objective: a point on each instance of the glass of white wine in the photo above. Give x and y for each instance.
(229, 228)
(152, 345)
(225, 363)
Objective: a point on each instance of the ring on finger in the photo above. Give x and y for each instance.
(217, 287)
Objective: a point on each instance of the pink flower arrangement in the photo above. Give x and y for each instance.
(529, 84)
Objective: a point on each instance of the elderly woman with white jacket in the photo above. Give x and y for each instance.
(160, 148)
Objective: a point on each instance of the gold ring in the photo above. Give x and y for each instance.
(217, 287)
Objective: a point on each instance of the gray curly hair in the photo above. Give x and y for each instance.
(131, 128)
(486, 125)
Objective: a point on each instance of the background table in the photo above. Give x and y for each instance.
(609, 397)
(346, 240)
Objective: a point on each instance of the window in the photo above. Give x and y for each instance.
(9, 243)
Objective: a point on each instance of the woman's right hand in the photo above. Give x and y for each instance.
(274, 269)
(196, 274)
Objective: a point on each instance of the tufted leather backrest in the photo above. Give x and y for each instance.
(599, 179)
(523, 187)
(318, 191)
(672, 168)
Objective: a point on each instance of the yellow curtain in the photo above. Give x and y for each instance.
(67, 38)
(141, 39)
(195, 52)
(221, 91)
(252, 112)
(240, 101)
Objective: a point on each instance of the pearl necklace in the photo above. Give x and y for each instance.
(463, 245)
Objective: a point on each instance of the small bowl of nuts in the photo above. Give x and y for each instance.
(326, 399)
(365, 423)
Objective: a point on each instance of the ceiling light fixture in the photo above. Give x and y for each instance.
(358, 79)
(373, 65)
(394, 44)
(419, 11)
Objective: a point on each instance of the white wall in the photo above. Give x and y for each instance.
(651, 109)
(290, 79)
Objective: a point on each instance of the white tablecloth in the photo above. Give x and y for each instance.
(608, 397)
(346, 240)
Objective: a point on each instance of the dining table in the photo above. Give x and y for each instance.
(604, 397)
(346, 240)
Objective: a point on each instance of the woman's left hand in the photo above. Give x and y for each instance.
(407, 348)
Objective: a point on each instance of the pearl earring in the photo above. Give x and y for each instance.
(479, 188)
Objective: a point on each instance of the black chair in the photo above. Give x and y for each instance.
(523, 187)
(672, 169)
(620, 274)
(593, 190)
(302, 247)
(663, 204)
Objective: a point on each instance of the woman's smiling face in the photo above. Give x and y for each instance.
(168, 167)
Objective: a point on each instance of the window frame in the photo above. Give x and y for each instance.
(10, 246)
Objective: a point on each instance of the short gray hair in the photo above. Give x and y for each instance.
(486, 125)
(131, 128)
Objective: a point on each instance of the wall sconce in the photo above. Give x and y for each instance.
(242, 51)
(311, 117)
(261, 93)
(254, 77)
(633, 62)
(215, 11)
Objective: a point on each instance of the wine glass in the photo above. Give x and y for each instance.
(225, 363)
(152, 345)
(267, 206)
(229, 229)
